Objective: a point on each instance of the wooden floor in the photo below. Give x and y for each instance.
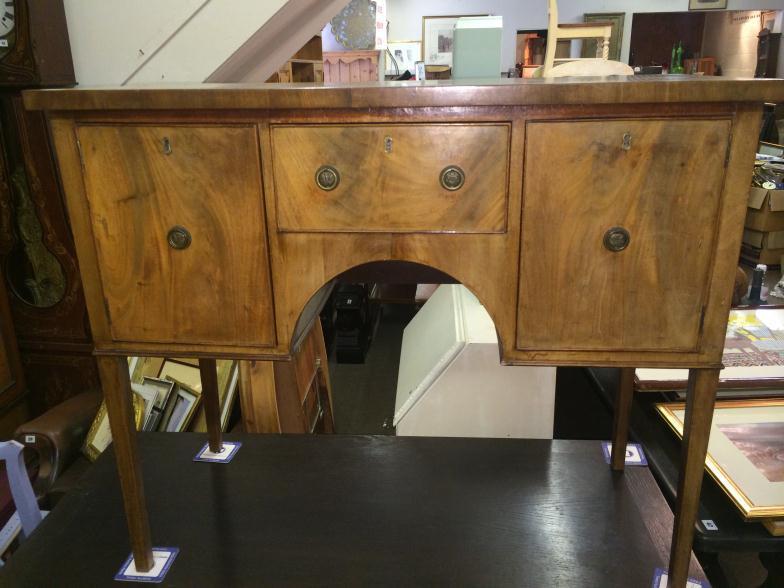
(342, 510)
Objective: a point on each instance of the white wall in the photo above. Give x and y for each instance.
(731, 37)
(405, 16)
(145, 41)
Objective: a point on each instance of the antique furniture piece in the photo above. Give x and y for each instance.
(37, 256)
(767, 54)
(317, 185)
(306, 65)
(351, 66)
(600, 30)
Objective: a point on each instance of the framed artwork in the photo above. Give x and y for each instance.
(100, 434)
(745, 452)
(184, 404)
(589, 45)
(162, 390)
(405, 54)
(438, 36)
(707, 4)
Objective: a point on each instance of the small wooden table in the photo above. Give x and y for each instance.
(366, 511)
(205, 218)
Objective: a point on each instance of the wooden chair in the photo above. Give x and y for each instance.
(557, 32)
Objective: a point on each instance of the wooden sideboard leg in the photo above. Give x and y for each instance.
(621, 414)
(700, 399)
(116, 385)
(209, 390)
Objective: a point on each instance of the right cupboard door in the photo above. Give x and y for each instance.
(618, 230)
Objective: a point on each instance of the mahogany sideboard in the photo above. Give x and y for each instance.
(598, 220)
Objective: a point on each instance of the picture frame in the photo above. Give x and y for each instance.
(405, 53)
(163, 390)
(616, 39)
(745, 452)
(707, 4)
(438, 38)
(185, 402)
(99, 437)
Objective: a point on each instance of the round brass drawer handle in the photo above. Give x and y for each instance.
(452, 178)
(327, 178)
(178, 237)
(616, 239)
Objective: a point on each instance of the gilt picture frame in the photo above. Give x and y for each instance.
(745, 452)
(707, 4)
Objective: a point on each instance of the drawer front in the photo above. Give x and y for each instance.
(141, 183)
(389, 177)
(590, 187)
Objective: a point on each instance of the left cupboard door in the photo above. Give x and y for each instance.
(177, 214)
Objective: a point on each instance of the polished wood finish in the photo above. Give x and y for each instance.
(351, 66)
(54, 339)
(637, 174)
(41, 52)
(390, 177)
(621, 413)
(448, 93)
(208, 183)
(335, 510)
(117, 394)
(289, 396)
(663, 301)
(12, 380)
(208, 371)
(700, 399)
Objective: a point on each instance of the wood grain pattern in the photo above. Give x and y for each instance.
(621, 413)
(700, 398)
(442, 93)
(208, 371)
(258, 403)
(665, 189)
(215, 291)
(116, 386)
(394, 187)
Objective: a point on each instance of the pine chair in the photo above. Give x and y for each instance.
(557, 32)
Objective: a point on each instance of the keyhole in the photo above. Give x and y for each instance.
(627, 141)
(167, 148)
(388, 144)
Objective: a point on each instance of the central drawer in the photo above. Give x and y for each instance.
(391, 178)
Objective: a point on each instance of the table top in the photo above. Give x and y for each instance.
(338, 510)
(663, 450)
(427, 93)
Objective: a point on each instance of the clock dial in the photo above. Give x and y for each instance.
(7, 21)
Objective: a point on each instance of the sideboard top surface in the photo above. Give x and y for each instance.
(499, 92)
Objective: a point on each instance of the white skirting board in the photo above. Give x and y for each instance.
(451, 382)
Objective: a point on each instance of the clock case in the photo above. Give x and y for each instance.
(40, 54)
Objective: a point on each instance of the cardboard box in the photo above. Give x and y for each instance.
(765, 210)
(762, 240)
(750, 256)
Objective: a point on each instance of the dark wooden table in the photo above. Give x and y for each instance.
(663, 451)
(339, 510)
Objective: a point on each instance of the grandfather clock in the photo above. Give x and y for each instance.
(39, 270)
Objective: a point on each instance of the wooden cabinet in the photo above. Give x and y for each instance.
(179, 227)
(389, 177)
(351, 66)
(656, 183)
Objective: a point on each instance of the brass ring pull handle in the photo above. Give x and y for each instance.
(327, 178)
(178, 237)
(616, 239)
(452, 178)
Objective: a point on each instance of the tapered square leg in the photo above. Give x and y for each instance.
(116, 385)
(700, 400)
(621, 415)
(209, 391)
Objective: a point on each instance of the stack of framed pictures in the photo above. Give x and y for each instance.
(745, 455)
(167, 398)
